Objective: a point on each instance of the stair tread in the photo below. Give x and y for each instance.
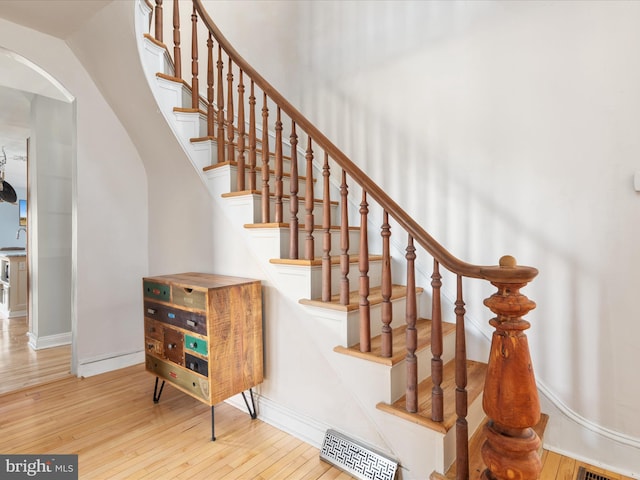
(423, 326)
(272, 194)
(475, 384)
(476, 464)
(335, 260)
(189, 110)
(316, 228)
(210, 138)
(233, 163)
(375, 297)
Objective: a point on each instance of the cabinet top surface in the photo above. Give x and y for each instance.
(10, 254)
(201, 280)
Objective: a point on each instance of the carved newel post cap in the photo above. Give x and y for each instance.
(507, 261)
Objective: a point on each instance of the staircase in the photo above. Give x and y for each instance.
(322, 232)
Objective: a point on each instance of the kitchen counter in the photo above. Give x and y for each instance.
(13, 253)
(13, 282)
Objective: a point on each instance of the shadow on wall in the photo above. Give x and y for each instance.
(480, 127)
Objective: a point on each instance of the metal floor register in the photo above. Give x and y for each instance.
(356, 459)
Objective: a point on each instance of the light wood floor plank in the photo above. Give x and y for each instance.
(22, 366)
(111, 422)
(566, 469)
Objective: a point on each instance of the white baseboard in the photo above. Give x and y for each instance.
(96, 366)
(50, 341)
(307, 429)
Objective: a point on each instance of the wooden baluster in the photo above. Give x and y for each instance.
(510, 397)
(230, 129)
(220, 107)
(240, 180)
(159, 21)
(437, 395)
(364, 307)
(266, 201)
(412, 333)
(278, 170)
(344, 241)
(326, 226)
(309, 247)
(386, 335)
(293, 187)
(252, 140)
(195, 92)
(210, 108)
(177, 55)
(462, 429)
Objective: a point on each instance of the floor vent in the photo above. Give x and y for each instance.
(584, 474)
(356, 459)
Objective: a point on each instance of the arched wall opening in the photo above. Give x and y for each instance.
(41, 129)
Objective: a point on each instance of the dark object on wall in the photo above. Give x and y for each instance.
(7, 193)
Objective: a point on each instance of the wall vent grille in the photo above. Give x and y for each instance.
(584, 474)
(356, 459)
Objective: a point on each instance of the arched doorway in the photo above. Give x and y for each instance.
(43, 113)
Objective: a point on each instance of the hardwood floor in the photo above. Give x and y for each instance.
(111, 422)
(22, 366)
(558, 467)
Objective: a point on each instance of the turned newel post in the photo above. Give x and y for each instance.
(510, 399)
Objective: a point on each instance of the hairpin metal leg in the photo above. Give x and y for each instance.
(213, 431)
(252, 409)
(156, 393)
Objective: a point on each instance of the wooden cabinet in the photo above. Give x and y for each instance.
(203, 335)
(13, 284)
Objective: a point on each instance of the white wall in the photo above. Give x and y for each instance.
(179, 208)
(109, 212)
(51, 153)
(503, 127)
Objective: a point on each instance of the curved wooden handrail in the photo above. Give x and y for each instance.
(502, 273)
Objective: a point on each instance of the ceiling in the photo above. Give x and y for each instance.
(20, 80)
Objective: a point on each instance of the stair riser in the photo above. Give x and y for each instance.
(374, 274)
(157, 60)
(286, 214)
(191, 125)
(350, 321)
(318, 236)
(184, 100)
(399, 371)
(211, 153)
(286, 180)
(306, 282)
(475, 417)
(438, 450)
